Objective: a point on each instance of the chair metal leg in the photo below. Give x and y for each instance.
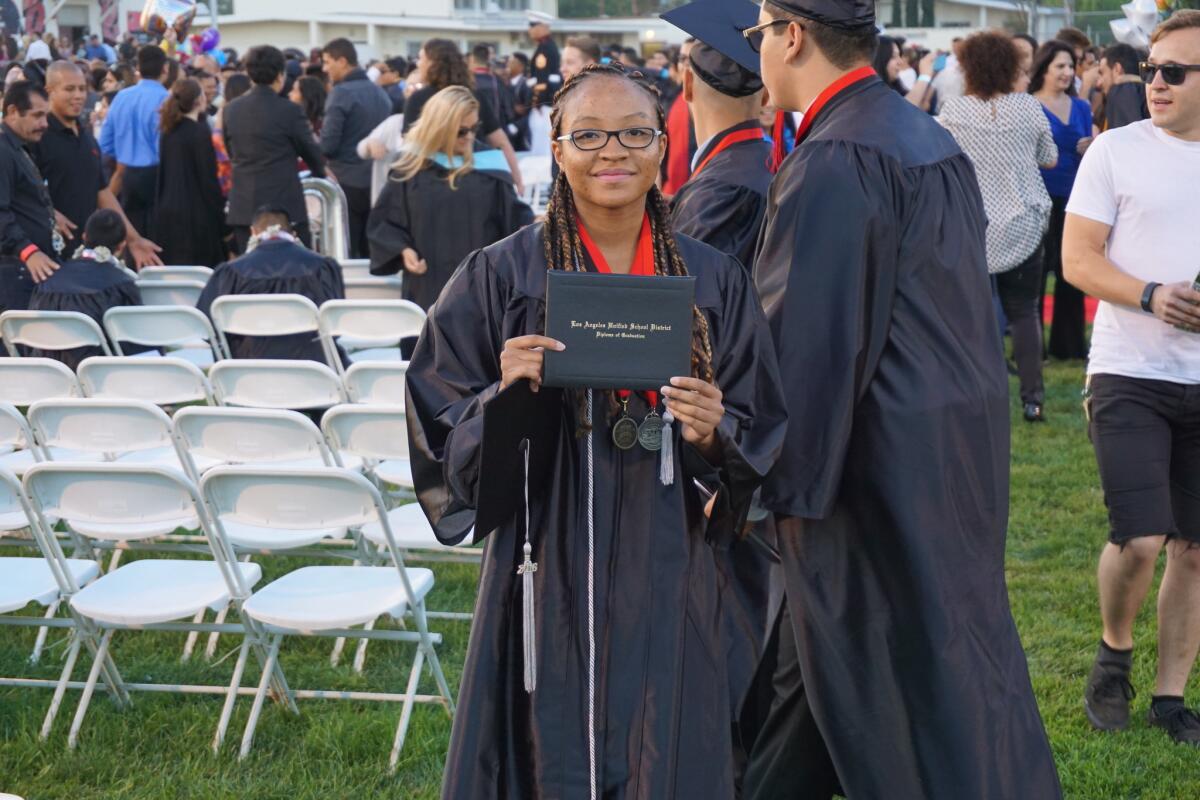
(406, 712)
(340, 643)
(192, 636)
(231, 698)
(256, 709)
(61, 689)
(40, 642)
(360, 655)
(211, 648)
(435, 665)
(97, 663)
(115, 561)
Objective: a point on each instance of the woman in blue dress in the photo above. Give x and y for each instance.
(1053, 83)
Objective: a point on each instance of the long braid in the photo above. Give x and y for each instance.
(564, 251)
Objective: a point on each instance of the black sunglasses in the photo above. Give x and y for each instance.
(1173, 74)
(754, 36)
(468, 131)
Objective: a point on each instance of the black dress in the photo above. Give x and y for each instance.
(442, 224)
(190, 208)
(662, 704)
(87, 287)
(892, 491)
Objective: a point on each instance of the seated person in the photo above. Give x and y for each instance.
(91, 282)
(275, 263)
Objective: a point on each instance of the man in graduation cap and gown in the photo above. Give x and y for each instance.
(908, 680)
(277, 263)
(723, 202)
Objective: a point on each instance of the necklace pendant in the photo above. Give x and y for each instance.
(650, 434)
(625, 433)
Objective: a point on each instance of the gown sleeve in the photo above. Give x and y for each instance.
(389, 228)
(454, 371)
(722, 216)
(826, 263)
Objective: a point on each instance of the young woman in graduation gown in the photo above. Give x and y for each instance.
(626, 692)
(441, 200)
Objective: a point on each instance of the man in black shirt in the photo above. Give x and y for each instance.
(26, 214)
(487, 85)
(69, 159)
(545, 64)
(1124, 92)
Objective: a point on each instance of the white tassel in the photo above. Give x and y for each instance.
(526, 571)
(666, 464)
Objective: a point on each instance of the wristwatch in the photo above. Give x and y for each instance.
(1147, 294)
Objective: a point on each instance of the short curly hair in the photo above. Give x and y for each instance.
(447, 67)
(990, 64)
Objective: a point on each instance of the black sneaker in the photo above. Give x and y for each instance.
(1181, 724)
(1106, 699)
(1034, 412)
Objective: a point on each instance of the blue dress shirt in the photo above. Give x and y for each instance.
(130, 132)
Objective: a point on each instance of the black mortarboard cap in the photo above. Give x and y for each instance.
(723, 73)
(719, 24)
(510, 419)
(842, 15)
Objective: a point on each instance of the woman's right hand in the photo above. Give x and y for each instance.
(413, 262)
(522, 359)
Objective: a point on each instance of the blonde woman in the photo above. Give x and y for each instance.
(442, 200)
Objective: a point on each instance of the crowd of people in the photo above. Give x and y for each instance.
(813, 601)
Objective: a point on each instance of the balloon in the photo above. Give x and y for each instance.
(159, 15)
(220, 57)
(1140, 18)
(209, 39)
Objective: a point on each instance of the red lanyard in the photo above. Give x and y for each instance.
(736, 137)
(831, 91)
(643, 264)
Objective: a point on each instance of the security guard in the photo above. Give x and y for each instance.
(544, 66)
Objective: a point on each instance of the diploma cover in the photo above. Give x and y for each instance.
(621, 331)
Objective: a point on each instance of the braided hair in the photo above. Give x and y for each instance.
(560, 235)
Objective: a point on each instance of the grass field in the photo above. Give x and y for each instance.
(334, 750)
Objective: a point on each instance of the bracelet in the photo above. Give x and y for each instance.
(1147, 294)
(926, 78)
(27, 252)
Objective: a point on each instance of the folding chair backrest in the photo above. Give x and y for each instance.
(356, 268)
(158, 326)
(376, 382)
(13, 505)
(264, 314)
(100, 426)
(158, 292)
(377, 433)
(382, 288)
(176, 273)
(276, 383)
(162, 381)
(50, 330)
(377, 321)
(15, 433)
(296, 499)
(248, 436)
(27, 380)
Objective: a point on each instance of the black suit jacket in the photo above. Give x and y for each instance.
(264, 135)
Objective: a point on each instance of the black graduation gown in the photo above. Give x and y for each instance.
(873, 276)
(276, 267)
(190, 209)
(723, 205)
(662, 708)
(442, 224)
(87, 287)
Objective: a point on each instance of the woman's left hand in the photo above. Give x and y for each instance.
(696, 405)
(1083, 145)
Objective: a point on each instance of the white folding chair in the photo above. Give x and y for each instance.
(19, 447)
(263, 315)
(276, 383)
(50, 330)
(149, 594)
(182, 331)
(25, 580)
(175, 273)
(162, 381)
(535, 169)
(369, 330)
(377, 288)
(161, 292)
(27, 380)
(356, 268)
(377, 434)
(327, 600)
(376, 382)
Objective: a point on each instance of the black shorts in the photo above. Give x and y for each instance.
(1146, 434)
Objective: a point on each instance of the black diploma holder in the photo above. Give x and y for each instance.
(620, 331)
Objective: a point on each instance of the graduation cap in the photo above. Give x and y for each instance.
(719, 25)
(842, 15)
(515, 421)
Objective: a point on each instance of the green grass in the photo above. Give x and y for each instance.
(159, 749)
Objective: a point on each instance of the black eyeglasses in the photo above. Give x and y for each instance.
(1173, 74)
(629, 138)
(468, 131)
(754, 36)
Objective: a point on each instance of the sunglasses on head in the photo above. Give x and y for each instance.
(1173, 74)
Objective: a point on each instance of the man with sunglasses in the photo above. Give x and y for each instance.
(1131, 240)
(900, 673)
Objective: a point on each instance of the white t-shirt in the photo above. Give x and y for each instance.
(1144, 183)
